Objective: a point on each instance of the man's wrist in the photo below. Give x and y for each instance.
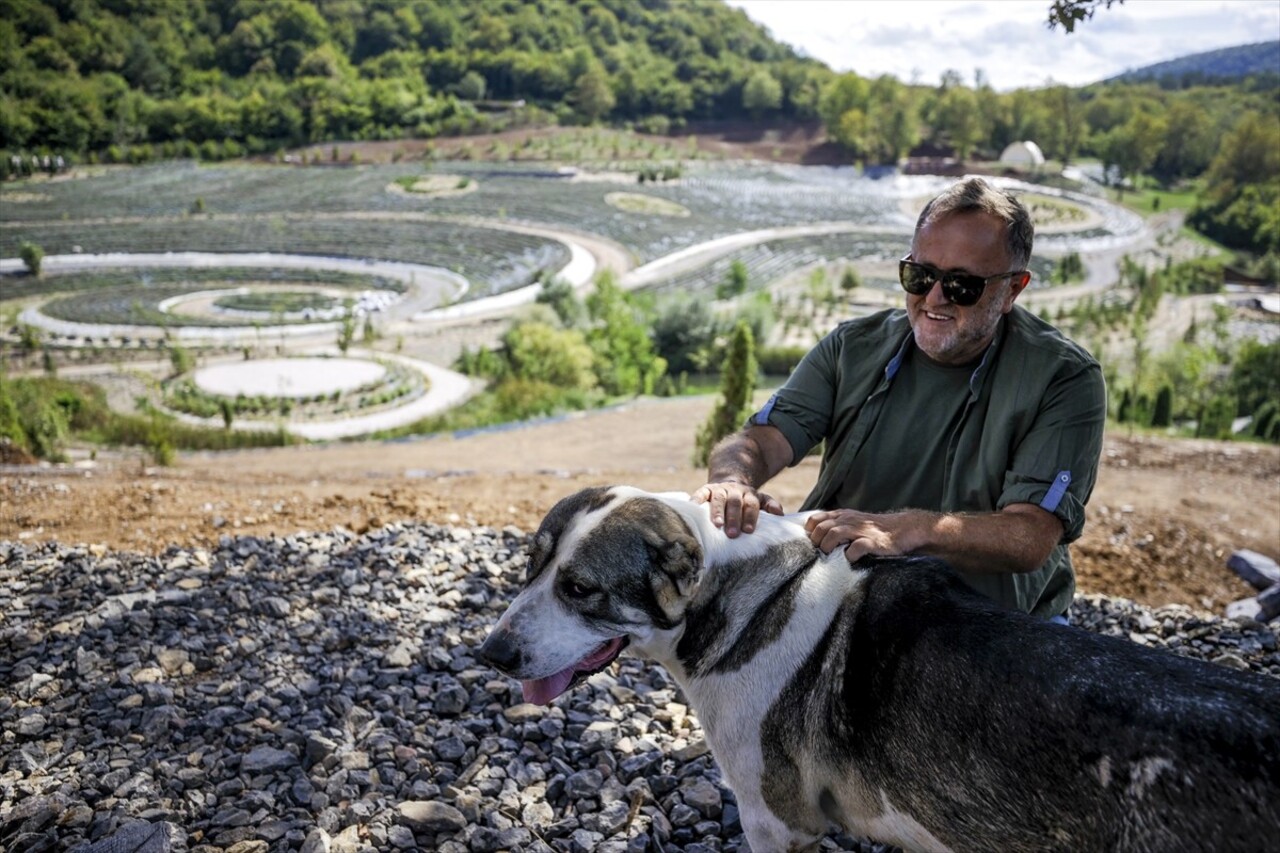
(736, 478)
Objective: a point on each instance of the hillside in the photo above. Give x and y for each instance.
(1212, 66)
(91, 75)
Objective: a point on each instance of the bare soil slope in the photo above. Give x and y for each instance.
(1162, 521)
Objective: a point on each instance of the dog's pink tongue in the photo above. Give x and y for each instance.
(540, 691)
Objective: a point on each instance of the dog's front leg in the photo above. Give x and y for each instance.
(767, 834)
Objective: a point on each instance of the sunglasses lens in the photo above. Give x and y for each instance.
(916, 279)
(964, 292)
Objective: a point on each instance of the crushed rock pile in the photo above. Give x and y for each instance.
(321, 692)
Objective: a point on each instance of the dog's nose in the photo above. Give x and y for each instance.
(500, 651)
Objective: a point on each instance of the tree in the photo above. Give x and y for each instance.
(849, 281)
(1255, 376)
(625, 360)
(346, 331)
(32, 257)
(560, 296)
(735, 281)
(471, 87)
(1162, 416)
(591, 95)
(1068, 13)
(737, 381)
(1132, 147)
(542, 353)
(842, 107)
(892, 127)
(762, 93)
(1188, 143)
(180, 359)
(955, 119)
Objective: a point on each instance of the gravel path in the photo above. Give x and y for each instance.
(320, 692)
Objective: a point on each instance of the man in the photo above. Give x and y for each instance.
(963, 427)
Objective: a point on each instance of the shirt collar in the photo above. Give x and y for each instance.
(976, 378)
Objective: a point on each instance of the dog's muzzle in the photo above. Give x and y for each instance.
(500, 651)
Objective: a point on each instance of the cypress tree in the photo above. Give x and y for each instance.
(1163, 414)
(737, 381)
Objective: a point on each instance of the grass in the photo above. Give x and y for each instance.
(1149, 199)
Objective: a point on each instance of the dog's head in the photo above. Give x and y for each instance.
(608, 566)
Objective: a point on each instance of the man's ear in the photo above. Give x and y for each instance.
(1017, 284)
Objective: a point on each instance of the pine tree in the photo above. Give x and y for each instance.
(737, 381)
(1163, 414)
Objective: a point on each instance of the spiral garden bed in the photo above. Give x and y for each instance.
(304, 388)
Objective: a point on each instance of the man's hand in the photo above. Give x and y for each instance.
(859, 533)
(735, 506)
(1018, 538)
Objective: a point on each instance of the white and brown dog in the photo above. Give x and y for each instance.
(889, 699)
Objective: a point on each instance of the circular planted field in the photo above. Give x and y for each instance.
(288, 377)
(165, 297)
(275, 302)
(640, 203)
(435, 186)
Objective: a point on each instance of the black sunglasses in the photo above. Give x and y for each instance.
(960, 288)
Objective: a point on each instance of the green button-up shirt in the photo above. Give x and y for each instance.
(1030, 432)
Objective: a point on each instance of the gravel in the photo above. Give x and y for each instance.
(320, 693)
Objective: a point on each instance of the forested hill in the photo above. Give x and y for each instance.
(82, 75)
(1213, 66)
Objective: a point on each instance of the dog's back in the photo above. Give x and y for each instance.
(998, 731)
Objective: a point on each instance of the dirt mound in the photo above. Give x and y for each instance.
(1163, 519)
(11, 454)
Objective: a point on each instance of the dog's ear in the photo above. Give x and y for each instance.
(540, 551)
(678, 564)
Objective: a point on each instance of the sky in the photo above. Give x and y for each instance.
(1009, 40)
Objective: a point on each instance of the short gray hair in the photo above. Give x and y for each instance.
(975, 194)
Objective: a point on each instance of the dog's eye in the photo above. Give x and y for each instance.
(573, 589)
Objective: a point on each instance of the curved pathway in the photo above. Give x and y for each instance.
(447, 389)
(431, 287)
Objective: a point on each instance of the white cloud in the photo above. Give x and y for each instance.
(1009, 39)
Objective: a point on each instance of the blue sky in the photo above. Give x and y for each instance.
(916, 40)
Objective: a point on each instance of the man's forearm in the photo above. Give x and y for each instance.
(1015, 540)
(1019, 538)
(738, 458)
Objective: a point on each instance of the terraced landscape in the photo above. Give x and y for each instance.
(263, 258)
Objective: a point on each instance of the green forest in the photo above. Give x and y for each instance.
(136, 80)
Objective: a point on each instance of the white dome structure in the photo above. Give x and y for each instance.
(1022, 154)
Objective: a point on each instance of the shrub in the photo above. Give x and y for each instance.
(32, 257)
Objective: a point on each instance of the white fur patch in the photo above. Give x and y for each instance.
(1142, 775)
(901, 828)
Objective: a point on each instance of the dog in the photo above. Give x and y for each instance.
(887, 698)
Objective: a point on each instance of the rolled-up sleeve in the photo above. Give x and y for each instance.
(1055, 465)
(802, 408)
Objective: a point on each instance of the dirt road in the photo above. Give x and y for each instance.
(1162, 521)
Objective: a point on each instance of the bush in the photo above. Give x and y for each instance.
(1265, 418)
(32, 257)
(559, 357)
(779, 361)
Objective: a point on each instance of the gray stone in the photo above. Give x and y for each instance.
(1259, 570)
(583, 784)
(267, 759)
(1269, 603)
(703, 796)
(136, 838)
(431, 817)
(317, 841)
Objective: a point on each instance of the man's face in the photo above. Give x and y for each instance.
(971, 242)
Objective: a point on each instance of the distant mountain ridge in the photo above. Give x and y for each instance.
(1227, 63)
